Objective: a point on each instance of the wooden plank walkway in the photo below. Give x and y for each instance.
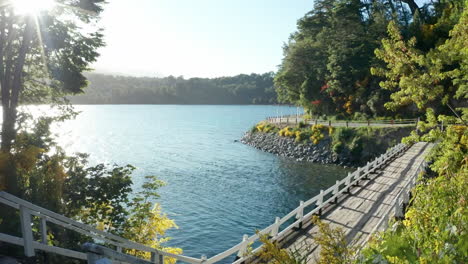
(358, 214)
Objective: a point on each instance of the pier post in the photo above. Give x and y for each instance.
(300, 214)
(243, 248)
(25, 218)
(348, 182)
(274, 231)
(320, 202)
(43, 229)
(335, 191)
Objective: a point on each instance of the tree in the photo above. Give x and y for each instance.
(42, 57)
(326, 64)
(436, 78)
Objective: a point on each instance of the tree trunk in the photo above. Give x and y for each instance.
(412, 5)
(8, 128)
(11, 85)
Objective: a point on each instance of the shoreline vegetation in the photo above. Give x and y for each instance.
(345, 146)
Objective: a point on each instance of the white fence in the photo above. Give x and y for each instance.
(27, 210)
(293, 119)
(298, 216)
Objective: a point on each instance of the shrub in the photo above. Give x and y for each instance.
(302, 135)
(302, 125)
(264, 127)
(317, 133)
(287, 132)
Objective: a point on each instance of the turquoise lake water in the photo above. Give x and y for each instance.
(217, 189)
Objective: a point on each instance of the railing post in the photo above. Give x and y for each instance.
(157, 258)
(367, 171)
(243, 248)
(347, 124)
(320, 202)
(336, 189)
(203, 258)
(398, 209)
(329, 122)
(406, 196)
(368, 122)
(316, 122)
(300, 214)
(26, 230)
(94, 258)
(348, 181)
(274, 231)
(358, 175)
(43, 229)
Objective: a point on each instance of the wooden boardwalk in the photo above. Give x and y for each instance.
(359, 213)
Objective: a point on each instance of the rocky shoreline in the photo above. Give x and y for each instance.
(366, 146)
(288, 147)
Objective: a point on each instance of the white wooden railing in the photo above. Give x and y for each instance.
(302, 213)
(27, 210)
(293, 119)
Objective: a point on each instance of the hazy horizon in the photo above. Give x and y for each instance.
(203, 39)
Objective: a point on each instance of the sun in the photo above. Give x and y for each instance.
(31, 7)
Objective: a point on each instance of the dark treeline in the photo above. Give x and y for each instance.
(240, 89)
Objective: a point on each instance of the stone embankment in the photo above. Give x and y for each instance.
(359, 148)
(288, 147)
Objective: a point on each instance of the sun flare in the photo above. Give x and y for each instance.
(29, 7)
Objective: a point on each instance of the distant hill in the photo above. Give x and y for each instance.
(240, 89)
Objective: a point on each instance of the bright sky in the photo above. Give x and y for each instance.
(196, 38)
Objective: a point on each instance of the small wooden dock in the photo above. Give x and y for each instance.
(360, 213)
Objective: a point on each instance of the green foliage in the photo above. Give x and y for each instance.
(265, 127)
(273, 253)
(240, 89)
(302, 124)
(434, 229)
(360, 145)
(318, 133)
(334, 247)
(426, 78)
(302, 132)
(287, 132)
(432, 77)
(326, 62)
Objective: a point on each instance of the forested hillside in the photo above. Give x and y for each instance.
(240, 89)
(327, 62)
